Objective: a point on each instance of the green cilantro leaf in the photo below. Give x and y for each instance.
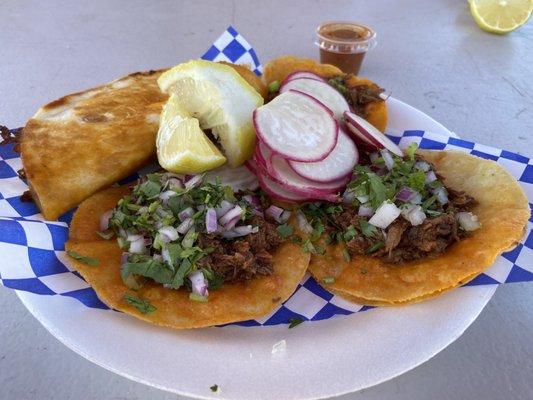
(410, 151)
(417, 180)
(346, 255)
(377, 189)
(214, 388)
(83, 259)
(328, 280)
(285, 230)
(367, 229)
(273, 87)
(350, 233)
(375, 247)
(294, 322)
(143, 306)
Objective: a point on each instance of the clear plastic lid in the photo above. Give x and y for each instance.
(345, 37)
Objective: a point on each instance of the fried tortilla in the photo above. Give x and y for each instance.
(173, 308)
(502, 209)
(83, 142)
(278, 69)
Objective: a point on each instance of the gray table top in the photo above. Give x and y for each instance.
(430, 55)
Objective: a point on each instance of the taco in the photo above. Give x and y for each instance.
(364, 96)
(415, 227)
(185, 253)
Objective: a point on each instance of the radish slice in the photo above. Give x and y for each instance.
(337, 165)
(321, 91)
(302, 74)
(281, 172)
(362, 141)
(277, 192)
(297, 126)
(369, 133)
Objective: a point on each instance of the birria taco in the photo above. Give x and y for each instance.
(184, 252)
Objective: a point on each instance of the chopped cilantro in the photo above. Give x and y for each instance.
(108, 234)
(83, 259)
(334, 209)
(285, 230)
(375, 247)
(377, 189)
(198, 298)
(273, 86)
(367, 229)
(410, 151)
(346, 255)
(214, 388)
(350, 233)
(143, 306)
(328, 280)
(308, 247)
(150, 189)
(294, 322)
(417, 180)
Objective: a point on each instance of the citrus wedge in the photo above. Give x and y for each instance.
(182, 147)
(220, 99)
(501, 16)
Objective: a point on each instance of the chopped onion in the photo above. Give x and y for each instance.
(417, 199)
(405, 194)
(413, 214)
(348, 196)
(431, 177)
(167, 195)
(187, 213)
(254, 200)
(274, 212)
(170, 232)
(468, 221)
(260, 213)
(389, 161)
(365, 211)
(130, 237)
(240, 231)
(198, 283)
(161, 212)
(422, 166)
(193, 182)
(231, 214)
(442, 196)
(104, 220)
(166, 256)
(385, 215)
(174, 183)
(362, 199)
(279, 347)
(232, 223)
(137, 246)
(184, 227)
(302, 222)
(211, 220)
(285, 215)
(223, 208)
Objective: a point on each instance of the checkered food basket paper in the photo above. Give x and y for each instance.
(32, 250)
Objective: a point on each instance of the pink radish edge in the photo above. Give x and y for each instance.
(309, 75)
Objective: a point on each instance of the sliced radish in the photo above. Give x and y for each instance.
(297, 126)
(276, 191)
(321, 91)
(361, 140)
(337, 165)
(302, 74)
(369, 133)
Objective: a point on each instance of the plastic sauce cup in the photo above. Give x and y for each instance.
(344, 44)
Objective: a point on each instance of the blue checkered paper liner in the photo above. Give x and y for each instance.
(32, 256)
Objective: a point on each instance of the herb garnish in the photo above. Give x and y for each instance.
(285, 230)
(83, 259)
(294, 322)
(143, 306)
(328, 279)
(214, 388)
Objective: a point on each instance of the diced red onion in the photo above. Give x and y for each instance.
(302, 222)
(385, 215)
(414, 214)
(422, 166)
(468, 221)
(184, 227)
(167, 195)
(130, 237)
(170, 232)
(137, 246)
(240, 231)
(285, 215)
(442, 196)
(166, 256)
(365, 211)
(348, 196)
(187, 213)
(231, 214)
(104, 220)
(258, 212)
(389, 161)
(417, 199)
(193, 182)
(274, 212)
(362, 199)
(211, 220)
(231, 224)
(174, 183)
(431, 177)
(405, 194)
(198, 283)
(223, 208)
(254, 200)
(374, 157)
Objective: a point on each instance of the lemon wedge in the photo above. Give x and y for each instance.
(182, 147)
(501, 16)
(220, 100)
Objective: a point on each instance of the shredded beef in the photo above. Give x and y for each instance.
(360, 95)
(460, 200)
(242, 259)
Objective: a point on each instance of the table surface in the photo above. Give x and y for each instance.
(430, 55)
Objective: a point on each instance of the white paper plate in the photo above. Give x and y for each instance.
(322, 359)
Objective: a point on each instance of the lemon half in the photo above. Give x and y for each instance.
(501, 16)
(217, 98)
